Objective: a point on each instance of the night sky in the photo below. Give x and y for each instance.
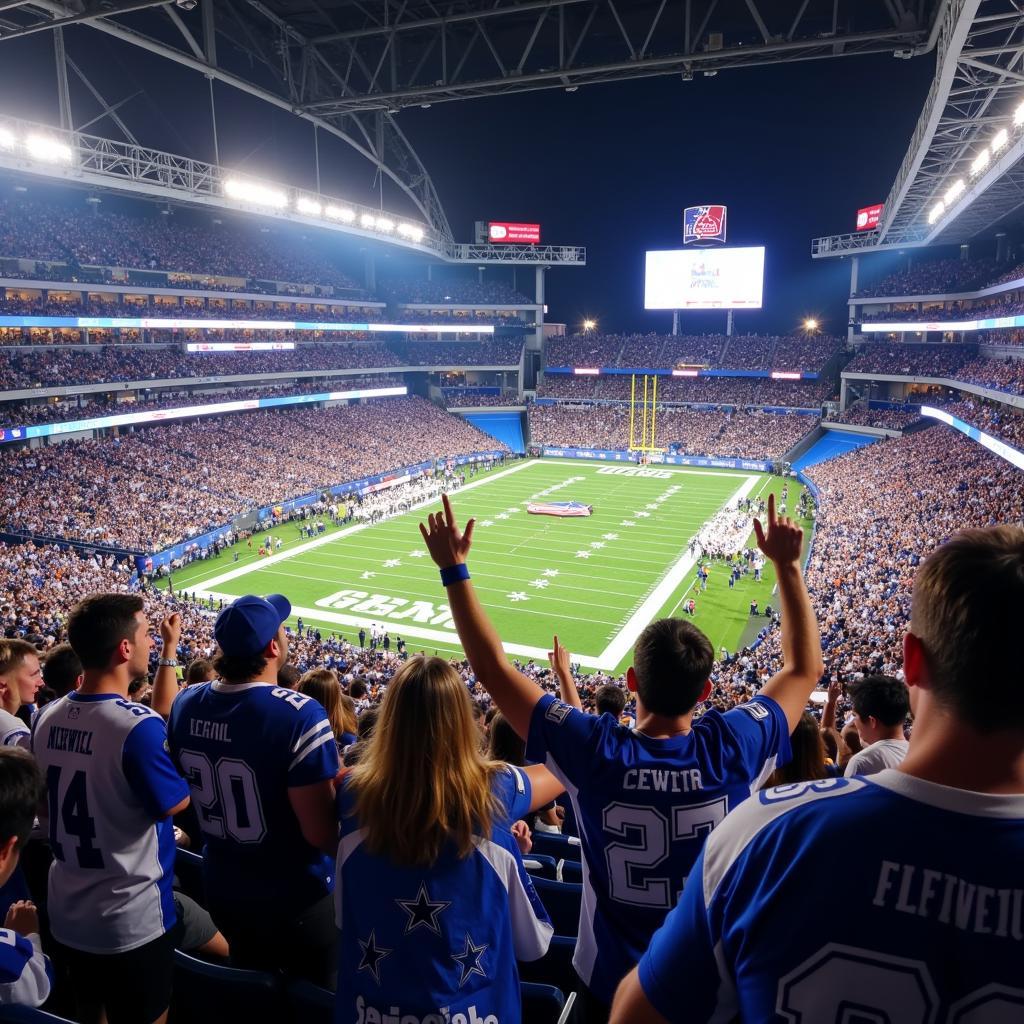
(793, 151)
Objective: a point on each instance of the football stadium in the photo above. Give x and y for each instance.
(511, 511)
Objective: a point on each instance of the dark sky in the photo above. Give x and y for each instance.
(793, 151)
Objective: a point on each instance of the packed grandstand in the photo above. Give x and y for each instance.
(196, 407)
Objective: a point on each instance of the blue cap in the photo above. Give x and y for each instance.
(247, 625)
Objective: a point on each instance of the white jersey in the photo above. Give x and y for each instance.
(876, 757)
(110, 783)
(13, 731)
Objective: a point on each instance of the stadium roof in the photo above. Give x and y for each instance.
(963, 172)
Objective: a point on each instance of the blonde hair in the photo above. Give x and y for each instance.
(422, 781)
(13, 654)
(322, 685)
(349, 719)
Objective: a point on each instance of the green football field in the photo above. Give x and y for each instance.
(595, 581)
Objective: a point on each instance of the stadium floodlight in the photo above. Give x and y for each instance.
(954, 190)
(936, 212)
(7, 138)
(411, 231)
(810, 325)
(981, 162)
(308, 206)
(253, 192)
(1018, 115)
(385, 224)
(342, 213)
(589, 325)
(368, 221)
(48, 149)
(999, 140)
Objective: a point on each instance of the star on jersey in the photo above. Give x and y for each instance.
(469, 960)
(540, 584)
(583, 554)
(416, 554)
(392, 563)
(372, 956)
(550, 572)
(610, 536)
(517, 596)
(423, 911)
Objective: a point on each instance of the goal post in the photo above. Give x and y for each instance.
(643, 406)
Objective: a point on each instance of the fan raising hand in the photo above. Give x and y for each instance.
(447, 544)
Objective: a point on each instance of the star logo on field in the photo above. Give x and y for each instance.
(627, 522)
(423, 911)
(416, 554)
(392, 563)
(582, 554)
(654, 506)
(367, 575)
(550, 572)
(487, 522)
(610, 536)
(372, 956)
(597, 543)
(642, 515)
(517, 596)
(501, 515)
(540, 584)
(469, 960)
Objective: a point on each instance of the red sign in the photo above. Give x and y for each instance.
(519, 234)
(868, 217)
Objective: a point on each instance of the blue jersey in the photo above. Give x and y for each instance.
(438, 944)
(644, 808)
(109, 786)
(26, 976)
(885, 898)
(242, 747)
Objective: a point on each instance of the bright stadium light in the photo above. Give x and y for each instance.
(48, 149)
(1018, 115)
(7, 139)
(368, 221)
(589, 325)
(308, 206)
(981, 162)
(253, 192)
(411, 231)
(342, 213)
(936, 212)
(954, 190)
(385, 224)
(810, 325)
(999, 140)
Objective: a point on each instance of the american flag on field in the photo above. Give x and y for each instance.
(563, 509)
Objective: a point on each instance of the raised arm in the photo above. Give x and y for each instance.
(802, 665)
(567, 691)
(828, 715)
(165, 683)
(514, 694)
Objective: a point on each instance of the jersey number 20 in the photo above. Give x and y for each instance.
(226, 797)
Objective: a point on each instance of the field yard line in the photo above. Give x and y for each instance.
(408, 630)
(244, 570)
(623, 643)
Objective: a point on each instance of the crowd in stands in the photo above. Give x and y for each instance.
(862, 415)
(933, 277)
(492, 352)
(955, 311)
(691, 432)
(175, 481)
(454, 398)
(1002, 421)
(456, 290)
(912, 360)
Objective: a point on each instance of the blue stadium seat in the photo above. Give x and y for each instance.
(571, 871)
(544, 1004)
(562, 902)
(541, 866)
(554, 967)
(28, 1015)
(207, 993)
(309, 1003)
(558, 846)
(188, 874)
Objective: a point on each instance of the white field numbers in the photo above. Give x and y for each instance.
(648, 834)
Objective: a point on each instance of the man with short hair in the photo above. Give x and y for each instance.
(610, 700)
(20, 681)
(111, 793)
(644, 799)
(62, 669)
(880, 707)
(261, 760)
(929, 852)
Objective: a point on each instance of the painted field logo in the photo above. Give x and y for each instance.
(704, 224)
(384, 607)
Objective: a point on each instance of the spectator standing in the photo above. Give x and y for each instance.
(261, 760)
(880, 707)
(939, 840)
(646, 799)
(111, 793)
(20, 678)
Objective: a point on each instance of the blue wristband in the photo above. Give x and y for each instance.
(454, 574)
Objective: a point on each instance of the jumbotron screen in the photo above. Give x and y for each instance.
(704, 278)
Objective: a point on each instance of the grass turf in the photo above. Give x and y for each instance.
(594, 581)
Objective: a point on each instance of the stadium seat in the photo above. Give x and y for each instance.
(29, 1015)
(562, 902)
(309, 1003)
(570, 871)
(207, 993)
(188, 875)
(541, 866)
(553, 845)
(554, 967)
(544, 1004)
